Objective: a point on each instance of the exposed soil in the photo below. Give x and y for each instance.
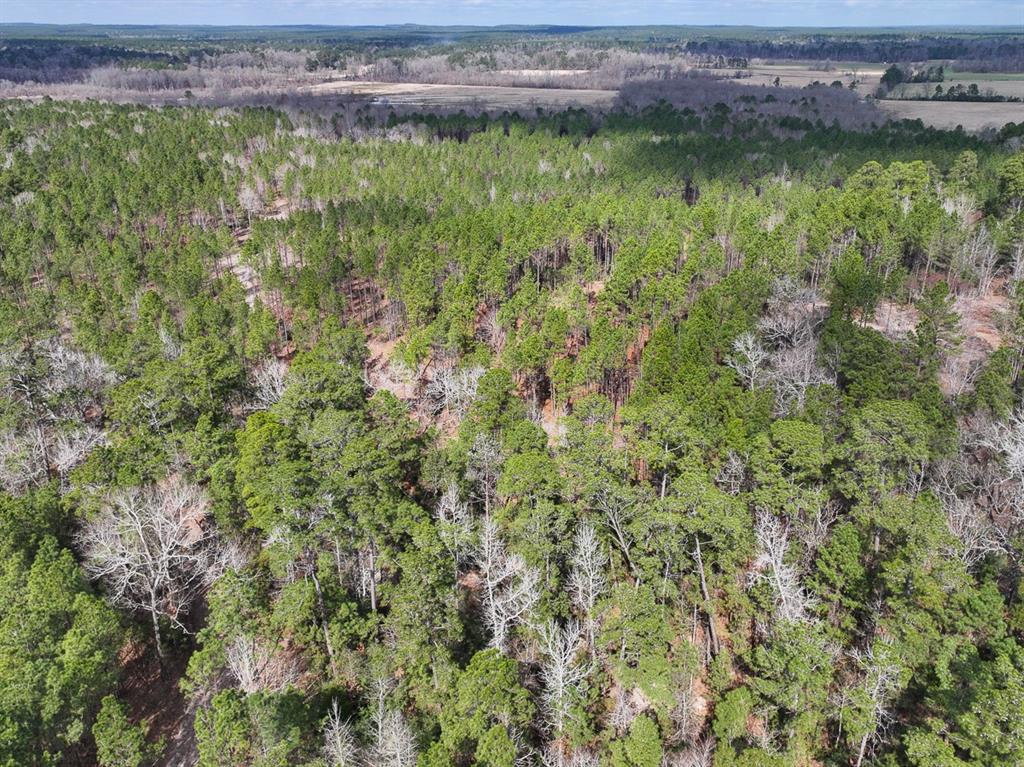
(153, 698)
(981, 321)
(247, 276)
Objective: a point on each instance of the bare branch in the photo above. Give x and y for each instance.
(562, 671)
(792, 601)
(510, 587)
(151, 549)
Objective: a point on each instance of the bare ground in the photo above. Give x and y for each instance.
(981, 321)
(496, 96)
(232, 262)
(972, 116)
(154, 699)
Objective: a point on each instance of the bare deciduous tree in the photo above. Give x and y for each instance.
(268, 380)
(1007, 439)
(483, 467)
(748, 359)
(1012, 445)
(72, 371)
(150, 548)
(71, 447)
(789, 327)
(394, 740)
(169, 345)
(23, 459)
(562, 671)
(623, 712)
(58, 387)
(510, 586)
(492, 331)
(977, 259)
(699, 754)
(880, 683)
(587, 577)
(258, 668)
(455, 525)
(340, 746)
(732, 474)
(557, 754)
(792, 601)
(685, 717)
(792, 372)
(1016, 268)
(250, 201)
(971, 528)
(453, 390)
(618, 510)
(813, 527)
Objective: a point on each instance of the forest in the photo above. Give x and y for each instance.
(671, 436)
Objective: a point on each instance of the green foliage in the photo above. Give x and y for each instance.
(640, 748)
(58, 653)
(487, 699)
(604, 272)
(119, 743)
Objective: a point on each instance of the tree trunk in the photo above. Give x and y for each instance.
(861, 750)
(373, 578)
(155, 615)
(709, 607)
(323, 617)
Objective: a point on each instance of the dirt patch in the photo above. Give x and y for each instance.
(232, 262)
(895, 321)
(551, 422)
(382, 373)
(982, 318)
(153, 698)
(981, 321)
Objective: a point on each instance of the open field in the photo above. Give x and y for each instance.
(983, 77)
(492, 96)
(940, 114)
(799, 75)
(948, 114)
(1002, 87)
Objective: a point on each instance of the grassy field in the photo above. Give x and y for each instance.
(983, 77)
(940, 114)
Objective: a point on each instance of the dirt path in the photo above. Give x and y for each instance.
(154, 699)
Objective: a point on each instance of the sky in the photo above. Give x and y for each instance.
(490, 12)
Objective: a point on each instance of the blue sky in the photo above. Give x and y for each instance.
(487, 12)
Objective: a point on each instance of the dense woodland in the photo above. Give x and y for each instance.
(664, 438)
